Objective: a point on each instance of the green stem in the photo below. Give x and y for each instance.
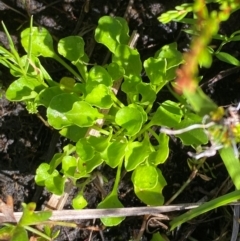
(145, 128)
(13, 50)
(33, 230)
(191, 177)
(68, 67)
(154, 134)
(95, 127)
(118, 176)
(117, 101)
(29, 52)
(149, 108)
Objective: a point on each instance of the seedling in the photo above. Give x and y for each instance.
(77, 103)
(28, 219)
(74, 105)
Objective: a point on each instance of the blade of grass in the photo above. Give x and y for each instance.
(213, 204)
(232, 165)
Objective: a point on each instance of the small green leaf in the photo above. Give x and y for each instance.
(200, 102)
(66, 109)
(129, 118)
(24, 88)
(152, 196)
(228, 58)
(83, 114)
(74, 133)
(168, 114)
(84, 149)
(111, 32)
(71, 47)
(55, 183)
(111, 201)
(99, 143)
(98, 75)
(100, 96)
(232, 164)
(69, 165)
(148, 95)
(145, 177)
(19, 234)
(156, 71)
(82, 168)
(58, 107)
(171, 54)
(42, 174)
(205, 58)
(115, 153)
(162, 152)
(79, 202)
(42, 43)
(128, 59)
(6, 232)
(129, 86)
(136, 153)
(115, 71)
(67, 84)
(57, 158)
(93, 163)
(45, 96)
(31, 218)
(52, 181)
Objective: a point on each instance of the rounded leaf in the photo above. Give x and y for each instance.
(41, 42)
(162, 152)
(152, 196)
(72, 47)
(59, 106)
(83, 114)
(79, 202)
(131, 119)
(66, 109)
(168, 114)
(115, 153)
(93, 163)
(145, 177)
(69, 165)
(136, 153)
(108, 32)
(74, 133)
(128, 59)
(42, 174)
(100, 96)
(98, 75)
(24, 88)
(115, 71)
(46, 95)
(111, 201)
(84, 150)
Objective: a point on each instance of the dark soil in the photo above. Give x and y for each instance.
(25, 141)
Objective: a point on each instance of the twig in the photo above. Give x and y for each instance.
(66, 215)
(222, 74)
(186, 129)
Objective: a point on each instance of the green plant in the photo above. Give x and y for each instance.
(75, 104)
(29, 218)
